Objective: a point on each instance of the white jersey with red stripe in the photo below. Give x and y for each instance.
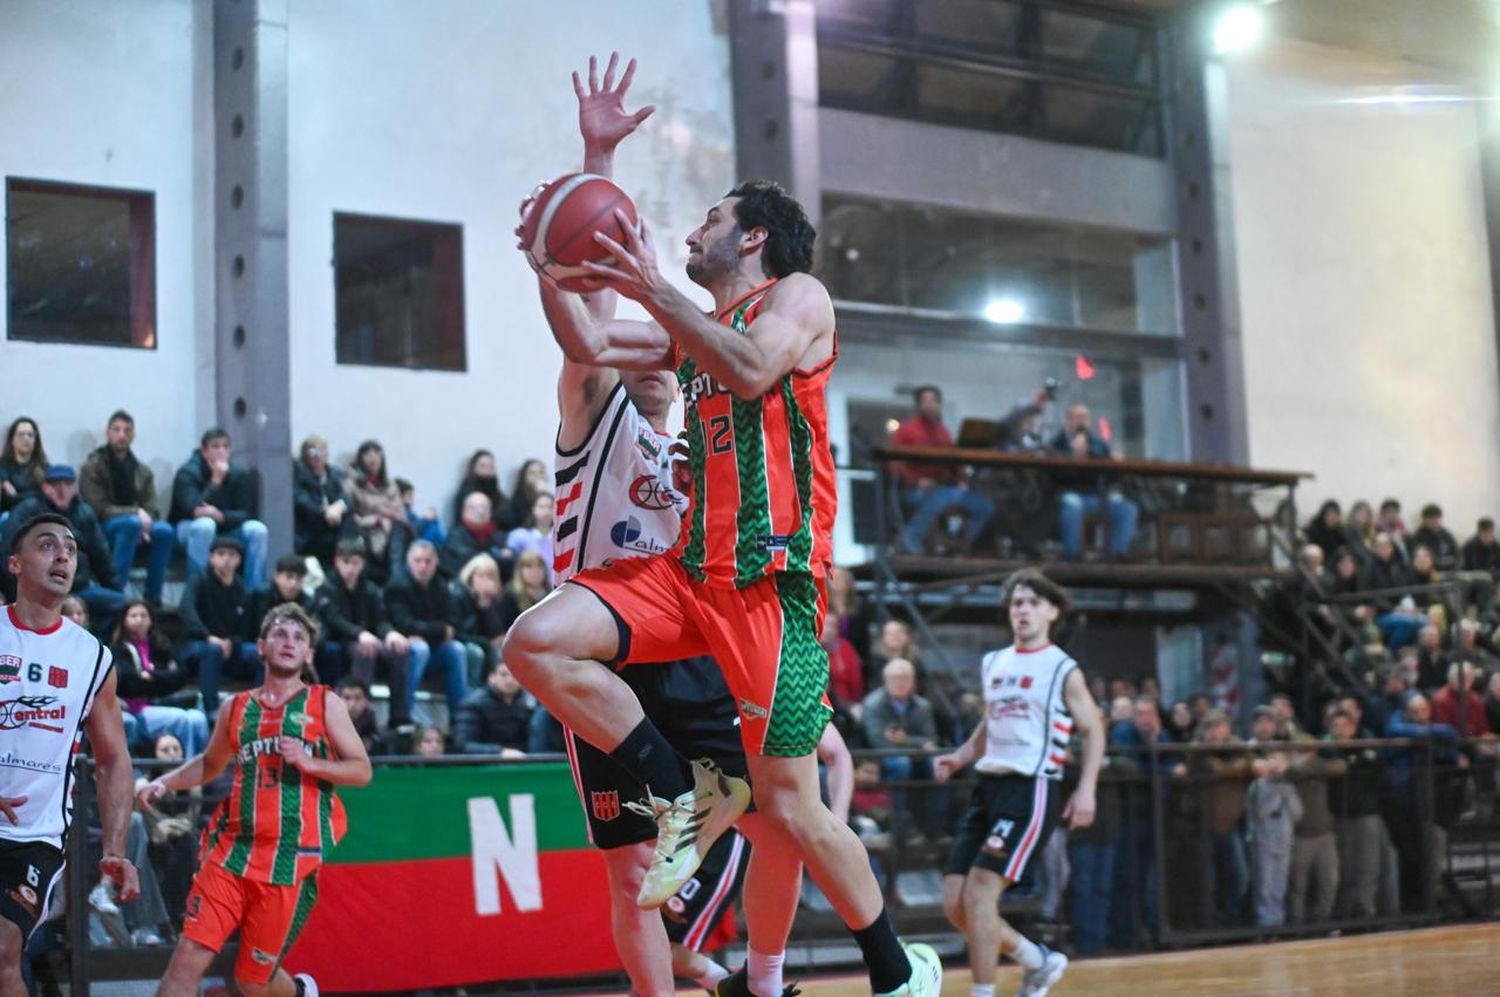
(1027, 724)
(614, 492)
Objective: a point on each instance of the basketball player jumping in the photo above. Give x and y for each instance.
(56, 680)
(1034, 695)
(745, 581)
(290, 744)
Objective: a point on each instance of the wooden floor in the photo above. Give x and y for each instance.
(1432, 963)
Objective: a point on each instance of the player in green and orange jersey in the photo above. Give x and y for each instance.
(291, 744)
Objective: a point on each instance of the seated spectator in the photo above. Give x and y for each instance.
(320, 506)
(1432, 662)
(1469, 720)
(846, 673)
(480, 476)
(1438, 541)
(428, 742)
(148, 677)
(216, 622)
(1400, 626)
(856, 614)
(894, 716)
(426, 526)
(1326, 531)
(172, 830)
(94, 578)
(472, 535)
(286, 586)
(74, 609)
(380, 514)
(1423, 570)
(355, 692)
(482, 614)
(1389, 521)
(929, 488)
(354, 617)
(533, 479)
(896, 640)
(536, 535)
(545, 736)
(1482, 551)
(1386, 570)
(421, 606)
(122, 492)
(213, 498)
(1359, 529)
(22, 462)
(1082, 494)
(528, 586)
(494, 719)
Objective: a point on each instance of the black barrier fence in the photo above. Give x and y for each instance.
(1191, 844)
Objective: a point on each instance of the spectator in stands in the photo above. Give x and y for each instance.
(1385, 570)
(856, 614)
(428, 742)
(286, 586)
(536, 534)
(1438, 541)
(21, 463)
(479, 476)
(1285, 713)
(94, 578)
(532, 481)
(1314, 883)
(472, 535)
(1224, 777)
(74, 609)
(482, 614)
(1082, 492)
(212, 498)
(380, 513)
(1359, 527)
(1274, 809)
(1326, 530)
(896, 641)
(148, 678)
(927, 489)
(216, 622)
(528, 586)
(1423, 569)
(122, 492)
(1468, 719)
(1181, 726)
(1354, 800)
(320, 505)
(1407, 770)
(1492, 702)
(1135, 885)
(1017, 429)
(1390, 522)
(425, 525)
(1091, 857)
(495, 718)
(421, 606)
(846, 673)
(355, 692)
(894, 716)
(1432, 662)
(1400, 626)
(172, 830)
(1120, 710)
(352, 609)
(1482, 551)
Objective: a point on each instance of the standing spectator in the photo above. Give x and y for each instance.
(22, 462)
(1135, 886)
(894, 716)
(536, 535)
(421, 606)
(1315, 852)
(528, 586)
(1482, 551)
(353, 612)
(1492, 702)
(212, 498)
(148, 678)
(1408, 811)
(94, 578)
(122, 492)
(319, 505)
(927, 489)
(1435, 538)
(1225, 776)
(355, 692)
(1354, 799)
(216, 622)
(1082, 494)
(479, 476)
(472, 535)
(1469, 719)
(482, 614)
(495, 718)
(1274, 809)
(1326, 531)
(532, 480)
(380, 512)
(1091, 858)
(425, 525)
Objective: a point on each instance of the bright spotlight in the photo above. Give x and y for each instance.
(1239, 28)
(1004, 311)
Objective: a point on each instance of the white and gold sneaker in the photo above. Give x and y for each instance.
(687, 827)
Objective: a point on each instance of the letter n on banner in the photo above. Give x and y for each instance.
(497, 854)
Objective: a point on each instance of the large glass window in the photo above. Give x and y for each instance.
(1006, 270)
(81, 264)
(400, 292)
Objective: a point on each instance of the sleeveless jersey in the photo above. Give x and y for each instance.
(1027, 724)
(763, 488)
(614, 492)
(48, 682)
(275, 823)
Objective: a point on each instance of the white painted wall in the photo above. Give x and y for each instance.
(452, 112)
(1369, 335)
(102, 93)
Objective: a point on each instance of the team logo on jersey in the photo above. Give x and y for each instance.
(700, 387)
(31, 711)
(776, 541)
(1009, 706)
(1011, 681)
(648, 444)
(647, 492)
(605, 806)
(57, 677)
(629, 535)
(25, 896)
(753, 709)
(10, 668)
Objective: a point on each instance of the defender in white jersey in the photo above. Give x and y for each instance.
(56, 680)
(1034, 696)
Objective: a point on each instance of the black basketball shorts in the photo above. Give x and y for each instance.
(1007, 824)
(691, 913)
(29, 873)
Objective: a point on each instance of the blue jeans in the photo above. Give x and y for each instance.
(1089, 892)
(453, 661)
(1073, 506)
(933, 501)
(203, 659)
(1232, 877)
(189, 727)
(124, 533)
(104, 605)
(197, 535)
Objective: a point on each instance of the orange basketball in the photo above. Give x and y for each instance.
(558, 225)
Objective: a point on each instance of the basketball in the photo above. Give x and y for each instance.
(558, 224)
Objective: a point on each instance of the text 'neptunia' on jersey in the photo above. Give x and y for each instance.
(763, 489)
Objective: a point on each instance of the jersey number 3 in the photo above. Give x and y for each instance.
(721, 435)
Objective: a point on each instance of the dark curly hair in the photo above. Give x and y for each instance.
(766, 204)
(1041, 585)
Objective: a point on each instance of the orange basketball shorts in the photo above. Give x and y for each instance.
(269, 918)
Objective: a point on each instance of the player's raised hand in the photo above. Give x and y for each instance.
(634, 273)
(602, 118)
(122, 872)
(8, 806)
(147, 795)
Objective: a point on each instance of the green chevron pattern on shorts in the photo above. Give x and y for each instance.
(800, 547)
(798, 715)
(307, 898)
(693, 550)
(753, 519)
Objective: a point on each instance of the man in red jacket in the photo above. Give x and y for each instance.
(1471, 721)
(928, 489)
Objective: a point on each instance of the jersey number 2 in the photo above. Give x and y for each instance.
(721, 435)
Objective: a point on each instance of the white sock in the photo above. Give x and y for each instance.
(981, 990)
(763, 973)
(1028, 955)
(711, 976)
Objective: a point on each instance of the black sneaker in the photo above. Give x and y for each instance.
(737, 984)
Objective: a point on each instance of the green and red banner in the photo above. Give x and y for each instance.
(459, 874)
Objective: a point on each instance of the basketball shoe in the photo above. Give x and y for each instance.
(687, 827)
(737, 984)
(306, 985)
(926, 973)
(1036, 982)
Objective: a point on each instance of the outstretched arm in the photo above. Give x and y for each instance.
(195, 771)
(112, 766)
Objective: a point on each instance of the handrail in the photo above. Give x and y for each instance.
(1061, 462)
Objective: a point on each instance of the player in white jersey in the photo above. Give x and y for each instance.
(1034, 696)
(56, 681)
